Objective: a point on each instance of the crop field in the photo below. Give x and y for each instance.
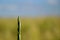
(8, 29)
(40, 28)
(31, 28)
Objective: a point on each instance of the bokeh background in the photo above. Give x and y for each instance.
(40, 19)
(47, 28)
(8, 29)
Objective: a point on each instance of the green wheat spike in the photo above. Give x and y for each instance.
(18, 28)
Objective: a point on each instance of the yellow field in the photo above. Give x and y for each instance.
(8, 29)
(40, 28)
(31, 28)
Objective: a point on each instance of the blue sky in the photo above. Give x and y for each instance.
(10, 8)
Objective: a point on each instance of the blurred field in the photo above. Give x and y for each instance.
(31, 28)
(8, 29)
(40, 28)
